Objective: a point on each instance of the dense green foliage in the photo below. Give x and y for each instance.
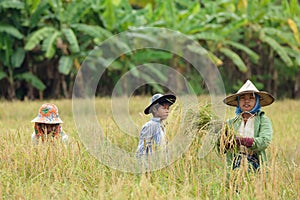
(43, 42)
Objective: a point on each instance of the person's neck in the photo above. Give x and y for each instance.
(246, 116)
(158, 118)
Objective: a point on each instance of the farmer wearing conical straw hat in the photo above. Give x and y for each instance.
(47, 124)
(252, 128)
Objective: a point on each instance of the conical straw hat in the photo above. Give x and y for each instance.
(264, 100)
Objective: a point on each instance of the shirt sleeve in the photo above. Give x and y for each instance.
(264, 136)
(146, 137)
(33, 137)
(64, 136)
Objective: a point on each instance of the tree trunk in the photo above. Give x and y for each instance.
(30, 92)
(64, 86)
(297, 85)
(269, 64)
(11, 87)
(11, 91)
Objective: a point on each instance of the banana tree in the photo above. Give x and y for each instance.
(59, 35)
(12, 53)
(250, 36)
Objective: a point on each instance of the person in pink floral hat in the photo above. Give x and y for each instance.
(47, 125)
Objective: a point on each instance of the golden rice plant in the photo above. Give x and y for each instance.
(70, 172)
(227, 138)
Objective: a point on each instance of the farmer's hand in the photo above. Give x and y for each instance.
(248, 142)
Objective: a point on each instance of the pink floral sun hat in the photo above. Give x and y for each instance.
(48, 114)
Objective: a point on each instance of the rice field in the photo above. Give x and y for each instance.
(57, 171)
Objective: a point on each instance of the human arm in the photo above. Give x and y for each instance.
(145, 143)
(264, 135)
(246, 141)
(64, 136)
(226, 136)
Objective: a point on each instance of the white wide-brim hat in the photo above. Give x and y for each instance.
(264, 100)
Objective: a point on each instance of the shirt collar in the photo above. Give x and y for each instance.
(156, 119)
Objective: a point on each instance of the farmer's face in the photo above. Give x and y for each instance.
(48, 128)
(247, 102)
(163, 111)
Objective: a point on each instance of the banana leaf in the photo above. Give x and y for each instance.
(32, 79)
(65, 64)
(253, 56)
(49, 44)
(71, 37)
(235, 58)
(277, 48)
(38, 36)
(11, 30)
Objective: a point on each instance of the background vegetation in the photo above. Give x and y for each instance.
(53, 171)
(43, 42)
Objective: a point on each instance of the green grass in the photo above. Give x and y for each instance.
(54, 171)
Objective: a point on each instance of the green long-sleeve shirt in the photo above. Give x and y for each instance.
(262, 135)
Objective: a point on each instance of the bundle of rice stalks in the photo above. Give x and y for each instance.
(227, 138)
(204, 117)
(205, 126)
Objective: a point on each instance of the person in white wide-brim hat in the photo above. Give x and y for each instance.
(253, 128)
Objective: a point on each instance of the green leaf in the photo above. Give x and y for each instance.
(231, 27)
(169, 12)
(235, 58)
(11, 30)
(133, 69)
(33, 5)
(108, 16)
(214, 59)
(197, 49)
(152, 68)
(18, 57)
(285, 37)
(116, 2)
(49, 44)
(32, 79)
(12, 4)
(298, 60)
(278, 48)
(38, 36)
(65, 64)
(150, 81)
(2, 75)
(37, 15)
(149, 55)
(71, 39)
(254, 56)
(207, 36)
(117, 65)
(93, 31)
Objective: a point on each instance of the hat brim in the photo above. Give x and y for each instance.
(46, 120)
(264, 100)
(169, 98)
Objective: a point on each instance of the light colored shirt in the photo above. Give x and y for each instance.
(247, 129)
(152, 137)
(64, 137)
